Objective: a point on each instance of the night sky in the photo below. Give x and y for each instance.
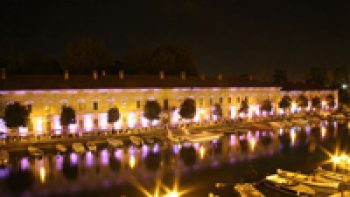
(229, 36)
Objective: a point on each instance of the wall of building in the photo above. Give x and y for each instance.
(46, 105)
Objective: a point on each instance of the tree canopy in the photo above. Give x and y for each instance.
(16, 115)
(217, 110)
(266, 105)
(302, 101)
(188, 108)
(84, 55)
(152, 110)
(170, 59)
(244, 106)
(285, 102)
(316, 102)
(331, 101)
(113, 115)
(67, 116)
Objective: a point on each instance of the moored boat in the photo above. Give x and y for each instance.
(202, 137)
(287, 187)
(247, 190)
(61, 148)
(91, 146)
(334, 176)
(115, 143)
(4, 157)
(137, 141)
(78, 147)
(34, 151)
(324, 185)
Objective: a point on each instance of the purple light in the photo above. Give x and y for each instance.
(24, 163)
(118, 154)
(4, 172)
(196, 146)
(89, 159)
(176, 148)
(232, 140)
(144, 150)
(59, 162)
(132, 150)
(73, 158)
(104, 159)
(156, 148)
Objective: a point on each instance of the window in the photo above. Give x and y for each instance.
(238, 100)
(165, 104)
(95, 105)
(220, 100)
(81, 106)
(211, 101)
(229, 100)
(138, 104)
(201, 102)
(81, 124)
(96, 123)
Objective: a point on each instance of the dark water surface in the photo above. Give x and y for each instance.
(191, 168)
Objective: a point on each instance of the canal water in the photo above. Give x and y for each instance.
(191, 169)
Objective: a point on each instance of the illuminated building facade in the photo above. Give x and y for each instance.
(91, 97)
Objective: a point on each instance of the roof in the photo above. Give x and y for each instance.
(42, 82)
(305, 87)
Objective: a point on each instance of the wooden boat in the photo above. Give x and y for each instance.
(312, 181)
(4, 157)
(287, 187)
(115, 143)
(91, 146)
(137, 141)
(338, 116)
(276, 125)
(202, 137)
(34, 151)
(61, 148)
(78, 147)
(300, 121)
(149, 140)
(261, 127)
(333, 176)
(247, 190)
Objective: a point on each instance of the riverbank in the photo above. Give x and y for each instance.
(160, 133)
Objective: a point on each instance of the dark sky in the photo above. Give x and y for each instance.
(229, 36)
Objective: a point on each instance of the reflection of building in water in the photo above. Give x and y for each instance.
(92, 97)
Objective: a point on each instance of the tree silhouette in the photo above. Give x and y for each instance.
(302, 101)
(16, 115)
(279, 77)
(316, 102)
(331, 101)
(244, 106)
(67, 117)
(188, 108)
(85, 55)
(113, 115)
(285, 102)
(217, 110)
(152, 110)
(266, 105)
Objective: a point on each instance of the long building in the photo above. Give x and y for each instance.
(92, 96)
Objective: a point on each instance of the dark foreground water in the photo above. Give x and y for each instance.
(191, 168)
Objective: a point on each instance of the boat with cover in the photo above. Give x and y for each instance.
(78, 147)
(61, 148)
(34, 151)
(4, 157)
(91, 146)
(287, 187)
(247, 190)
(137, 141)
(201, 137)
(326, 185)
(115, 143)
(334, 176)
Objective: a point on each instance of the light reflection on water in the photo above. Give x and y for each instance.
(147, 161)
